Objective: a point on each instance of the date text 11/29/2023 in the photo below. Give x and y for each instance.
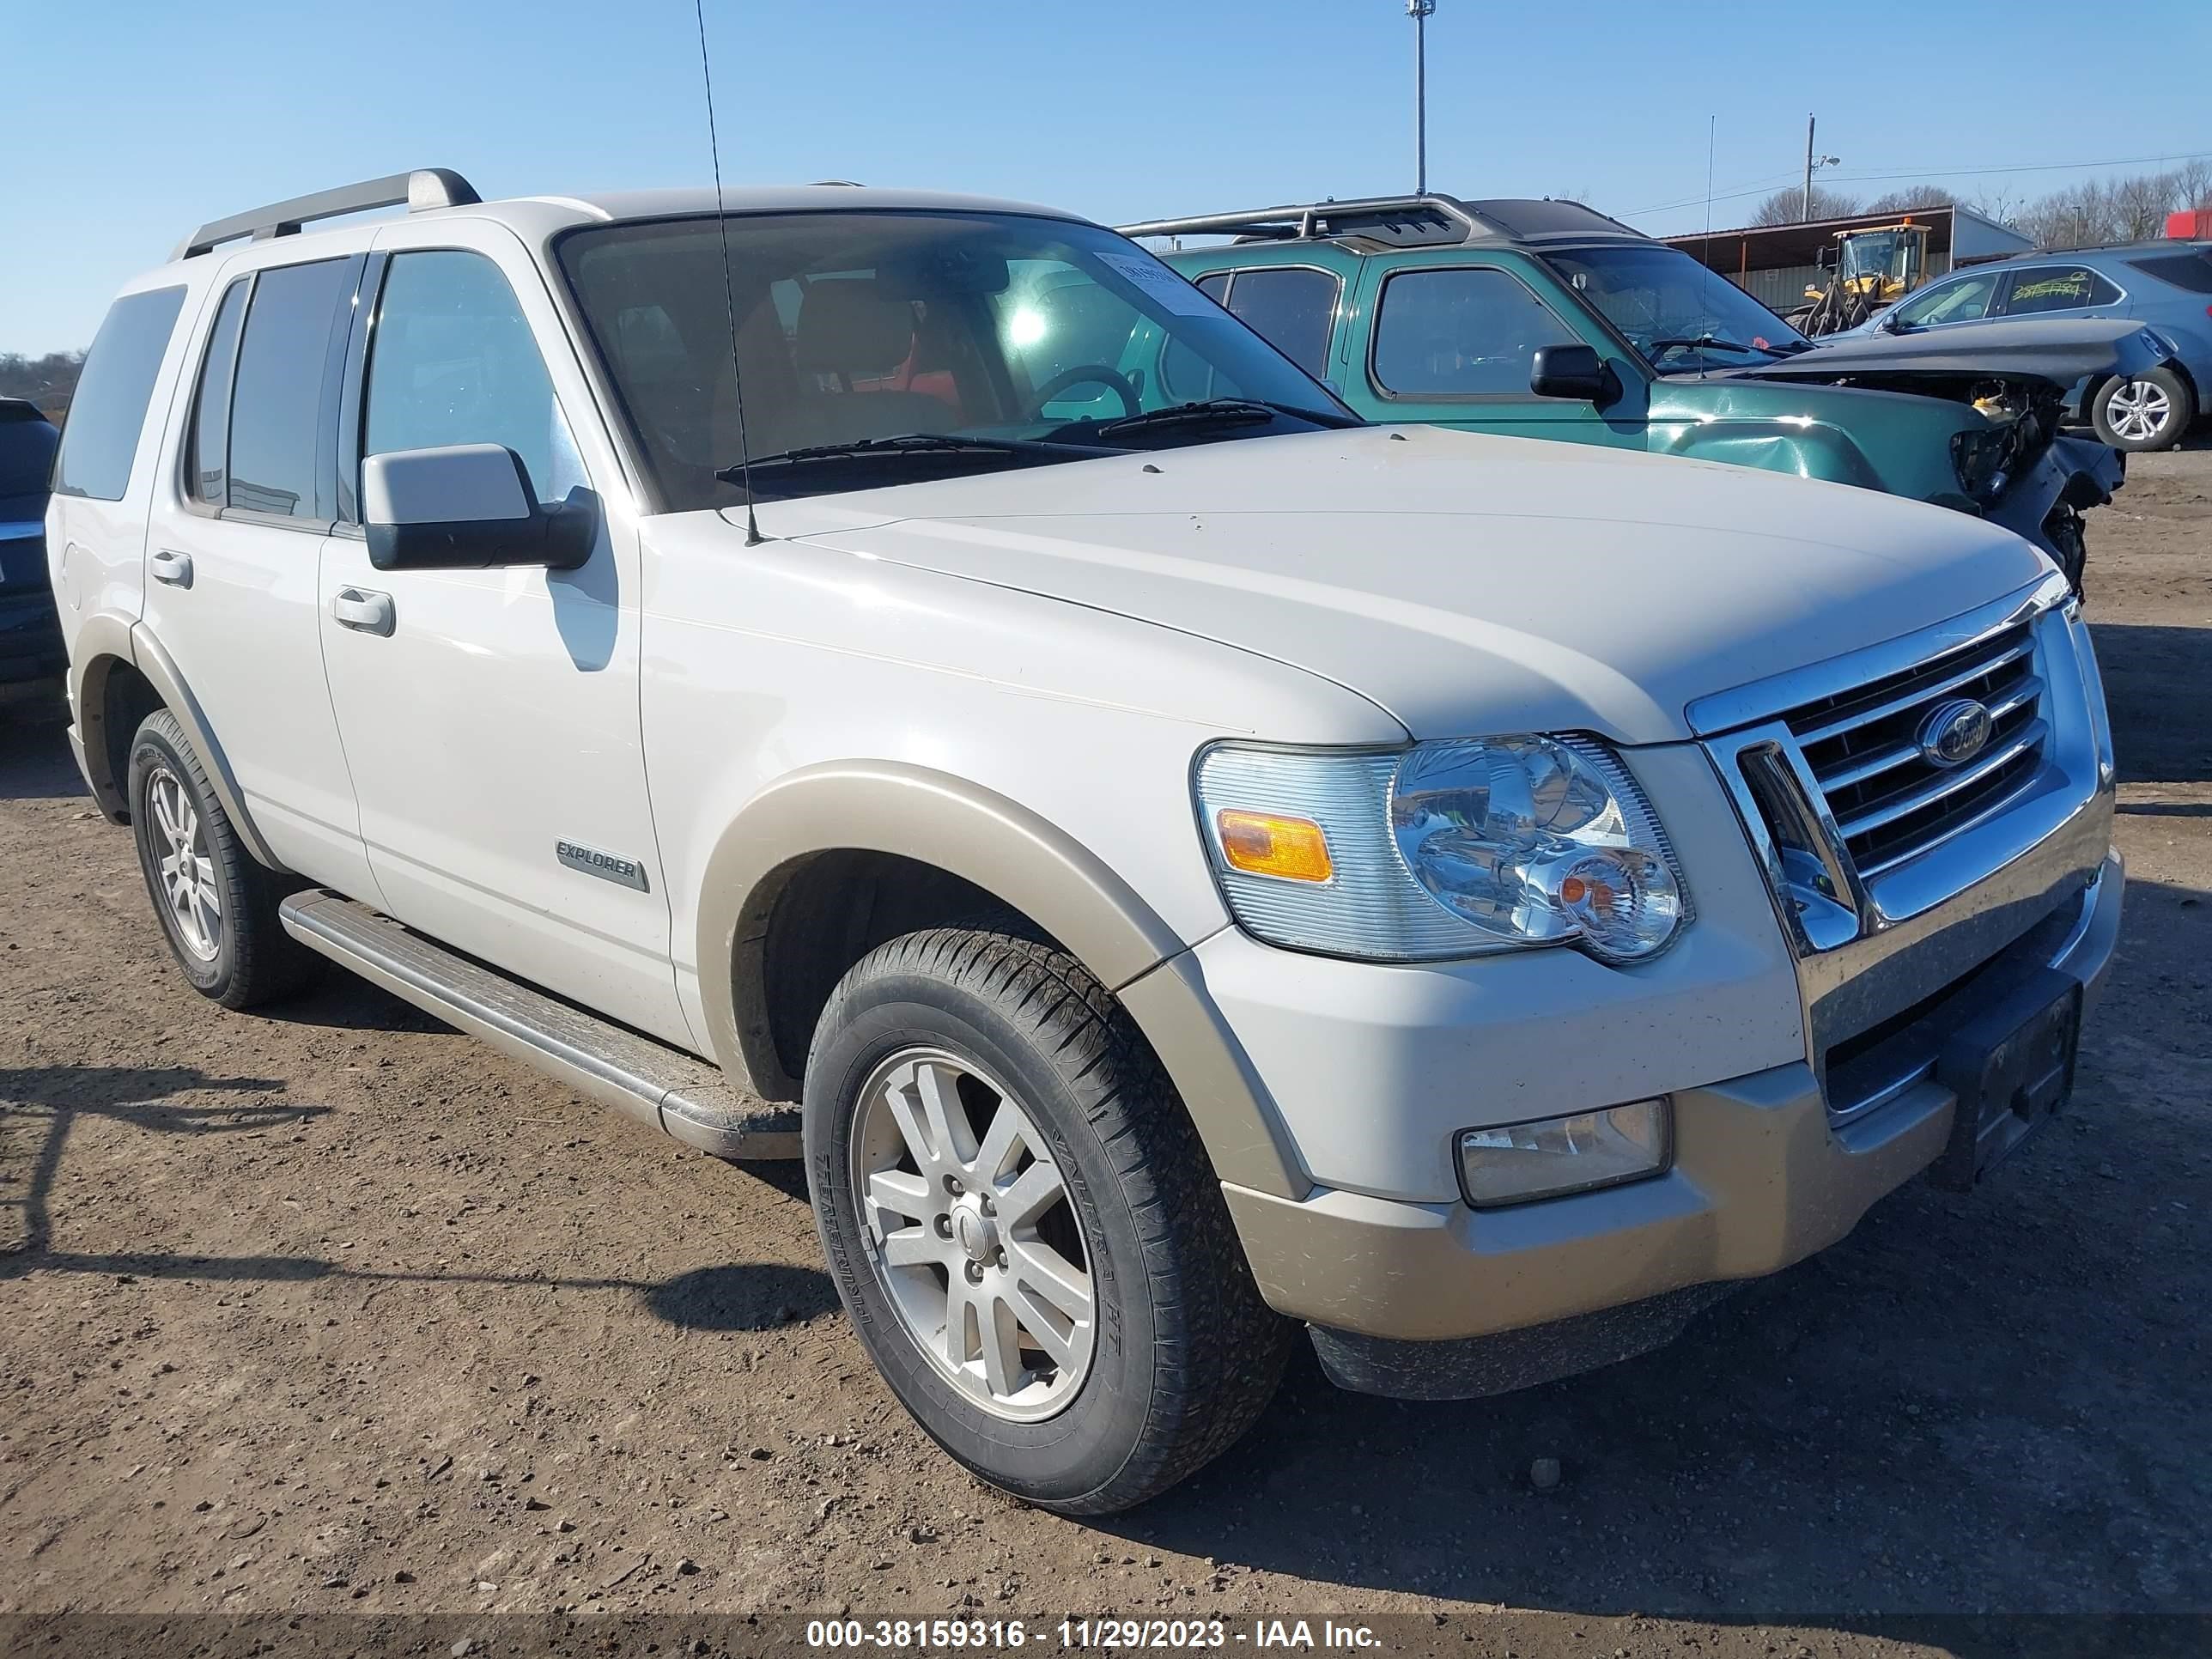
(930, 1635)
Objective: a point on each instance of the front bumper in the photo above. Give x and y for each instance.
(1762, 1178)
(2079, 473)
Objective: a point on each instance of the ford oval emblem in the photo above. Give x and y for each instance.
(1954, 732)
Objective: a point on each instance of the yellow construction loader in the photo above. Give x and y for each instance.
(1866, 270)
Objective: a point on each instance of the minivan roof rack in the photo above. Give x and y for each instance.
(419, 190)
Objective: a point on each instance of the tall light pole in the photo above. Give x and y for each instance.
(1420, 11)
(1805, 211)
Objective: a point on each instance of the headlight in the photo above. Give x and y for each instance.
(1978, 456)
(1445, 850)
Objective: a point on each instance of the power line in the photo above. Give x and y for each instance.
(1928, 172)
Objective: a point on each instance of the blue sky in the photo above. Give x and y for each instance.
(144, 118)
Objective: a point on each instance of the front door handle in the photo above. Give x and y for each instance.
(364, 612)
(173, 568)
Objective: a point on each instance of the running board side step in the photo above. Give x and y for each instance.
(650, 1081)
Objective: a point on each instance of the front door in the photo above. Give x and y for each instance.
(491, 716)
(1454, 344)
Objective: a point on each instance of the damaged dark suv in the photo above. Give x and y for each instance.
(1548, 319)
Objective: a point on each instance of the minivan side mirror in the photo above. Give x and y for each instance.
(1572, 371)
(469, 507)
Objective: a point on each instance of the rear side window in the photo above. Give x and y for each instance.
(100, 438)
(2058, 288)
(1466, 333)
(276, 405)
(1293, 309)
(2190, 271)
(206, 462)
(26, 460)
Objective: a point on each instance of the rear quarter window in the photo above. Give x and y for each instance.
(100, 438)
(2192, 271)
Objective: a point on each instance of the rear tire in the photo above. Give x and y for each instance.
(217, 905)
(1177, 1354)
(2152, 412)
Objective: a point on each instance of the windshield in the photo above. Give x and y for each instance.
(1015, 340)
(1666, 302)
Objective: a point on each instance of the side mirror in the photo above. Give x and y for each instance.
(1572, 371)
(469, 507)
(1889, 322)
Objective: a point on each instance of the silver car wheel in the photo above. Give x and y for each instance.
(2138, 410)
(185, 870)
(972, 1233)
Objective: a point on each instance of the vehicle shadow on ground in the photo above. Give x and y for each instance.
(2144, 667)
(48, 1103)
(34, 756)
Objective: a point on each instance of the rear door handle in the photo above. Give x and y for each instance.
(173, 568)
(364, 612)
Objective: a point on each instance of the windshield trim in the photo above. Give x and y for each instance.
(649, 490)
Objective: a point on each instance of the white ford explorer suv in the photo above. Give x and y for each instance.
(1179, 865)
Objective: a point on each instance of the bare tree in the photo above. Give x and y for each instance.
(1787, 207)
(1911, 196)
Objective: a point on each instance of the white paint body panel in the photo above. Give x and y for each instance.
(1468, 583)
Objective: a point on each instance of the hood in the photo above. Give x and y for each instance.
(2058, 350)
(1464, 582)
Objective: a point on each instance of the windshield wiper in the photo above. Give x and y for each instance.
(1209, 411)
(913, 443)
(1717, 343)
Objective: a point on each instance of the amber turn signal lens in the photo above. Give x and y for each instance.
(1263, 844)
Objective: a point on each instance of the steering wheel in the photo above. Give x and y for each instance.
(1112, 380)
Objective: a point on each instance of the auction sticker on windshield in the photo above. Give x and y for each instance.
(1155, 279)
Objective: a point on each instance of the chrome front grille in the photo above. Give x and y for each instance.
(1889, 801)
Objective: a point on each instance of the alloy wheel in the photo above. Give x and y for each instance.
(185, 870)
(972, 1233)
(2138, 410)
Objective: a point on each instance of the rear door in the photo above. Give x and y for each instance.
(491, 716)
(235, 535)
(2059, 290)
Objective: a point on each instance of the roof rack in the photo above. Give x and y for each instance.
(1285, 224)
(419, 190)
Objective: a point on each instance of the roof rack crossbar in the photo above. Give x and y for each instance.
(1302, 222)
(422, 189)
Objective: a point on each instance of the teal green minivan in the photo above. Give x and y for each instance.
(1548, 319)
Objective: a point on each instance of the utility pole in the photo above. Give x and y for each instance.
(1420, 11)
(1812, 162)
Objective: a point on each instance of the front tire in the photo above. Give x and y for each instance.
(217, 907)
(2152, 412)
(1024, 1226)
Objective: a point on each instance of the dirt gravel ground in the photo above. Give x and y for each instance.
(333, 1311)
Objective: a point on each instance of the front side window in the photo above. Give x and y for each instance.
(452, 361)
(276, 414)
(2058, 288)
(1964, 301)
(1461, 333)
(99, 437)
(890, 347)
